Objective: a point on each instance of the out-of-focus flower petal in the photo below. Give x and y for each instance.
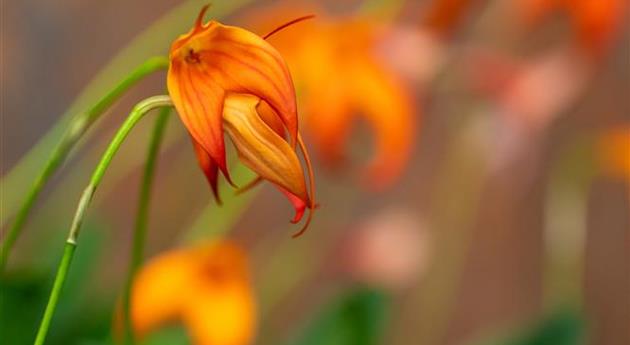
(207, 288)
(597, 22)
(386, 107)
(227, 317)
(223, 310)
(329, 121)
(535, 93)
(614, 152)
(401, 46)
(156, 297)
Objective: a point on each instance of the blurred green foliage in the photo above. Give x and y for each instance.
(358, 317)
(563, 327)
(24, 293)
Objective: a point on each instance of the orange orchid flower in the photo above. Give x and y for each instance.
(226, 79)
(595, 22)
(206, 288)
(340, 80)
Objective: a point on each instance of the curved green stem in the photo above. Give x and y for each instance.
(71, 242)
(79, 125)
(142, 218)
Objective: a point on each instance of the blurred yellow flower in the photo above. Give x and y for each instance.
(339, 80)
(206, 288)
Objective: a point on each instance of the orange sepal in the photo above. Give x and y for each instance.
(210, 169)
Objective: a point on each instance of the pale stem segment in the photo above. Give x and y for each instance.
(79, 125)
(142, 217)
(136, 114)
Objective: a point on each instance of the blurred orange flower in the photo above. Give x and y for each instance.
(595, 22)
(227, 78)
(207, 288)
(614, 152)
(340, 78)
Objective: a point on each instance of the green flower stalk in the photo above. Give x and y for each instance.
(136, 114)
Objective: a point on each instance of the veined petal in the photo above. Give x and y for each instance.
(260, 147)
(227, 78)
(254, 67)
(199, 104)
(236, 60)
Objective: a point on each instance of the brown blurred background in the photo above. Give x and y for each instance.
(485, 214)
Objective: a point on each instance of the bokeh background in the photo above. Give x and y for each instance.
(506, 221)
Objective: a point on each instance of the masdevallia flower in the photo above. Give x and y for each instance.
(206, 288)
(226, 79)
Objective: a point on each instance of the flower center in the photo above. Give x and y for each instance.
(192, 56)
